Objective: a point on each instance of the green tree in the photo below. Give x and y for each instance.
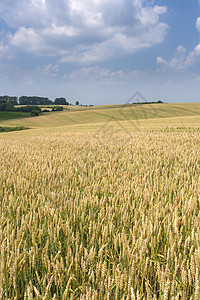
(6, 105)
(34, 100)
(34, 113)
(61, 101)
(13, 99)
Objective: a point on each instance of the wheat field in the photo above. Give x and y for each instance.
(103, 211)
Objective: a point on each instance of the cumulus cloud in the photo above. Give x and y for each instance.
(181, 60)
(177, 61)
(198, 24)
(193, 56)
(82, 31)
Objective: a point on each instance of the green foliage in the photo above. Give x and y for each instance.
(13, 99)
(17, 128)
(61, 101)
(34, 100)
(6, 105)
(34, 113)
(28, 108)
(58, 108)
(148, 102)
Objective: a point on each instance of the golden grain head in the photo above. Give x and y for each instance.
(107, 218)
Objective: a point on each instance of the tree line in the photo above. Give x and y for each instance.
(35, 100)
(29, 104)
(9, 105)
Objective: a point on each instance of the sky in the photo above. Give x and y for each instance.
(101, 51)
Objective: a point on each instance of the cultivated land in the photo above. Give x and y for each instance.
(101, 203)
(101, 114)
(7, 115)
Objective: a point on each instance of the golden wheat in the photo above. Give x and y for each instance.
(100, 217)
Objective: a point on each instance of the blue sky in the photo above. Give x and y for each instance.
(101, 51)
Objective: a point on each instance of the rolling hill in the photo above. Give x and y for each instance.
(102, 114)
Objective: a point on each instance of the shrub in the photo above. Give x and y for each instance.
(58, 108)
(28, 108)
(34, 113)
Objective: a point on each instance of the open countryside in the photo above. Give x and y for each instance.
(101, 202)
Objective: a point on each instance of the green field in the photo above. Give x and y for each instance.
(8, 115)
(101, 203)
(8, 129)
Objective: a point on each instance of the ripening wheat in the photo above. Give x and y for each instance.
(113, 217)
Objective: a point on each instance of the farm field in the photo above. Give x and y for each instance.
(102, 203)
(101, 114)
(4, 116)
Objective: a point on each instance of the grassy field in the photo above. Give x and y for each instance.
(7, 129)
(102, 204)
(7, 115)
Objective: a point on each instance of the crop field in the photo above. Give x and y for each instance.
(103, 114)
(101, 204)
(6, 115)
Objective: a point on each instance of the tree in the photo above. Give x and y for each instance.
(13, 99)
(58, 108)
(33, 100)
(27, 108)
(34, 113)
(61, 101)
(77, 103)
(6, 105)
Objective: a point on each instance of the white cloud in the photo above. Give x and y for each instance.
(90, 72)
(177, 61)
(27, 39)
(161, 61)
(193, 56)
(83, 31)
(150, 15)
(181, 60)
(198, 24)
(49, 70)
(98, 73)
(3, 49)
